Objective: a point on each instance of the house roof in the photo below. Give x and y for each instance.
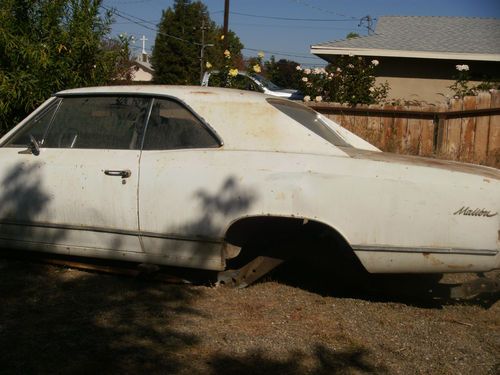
(424, 37)
(146, 66)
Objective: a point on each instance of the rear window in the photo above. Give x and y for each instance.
(310, 119)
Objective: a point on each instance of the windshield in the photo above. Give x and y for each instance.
(267, 83)
(312, 120)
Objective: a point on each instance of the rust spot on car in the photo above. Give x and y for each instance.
(280, 195)
(431, 258)
(202, 92)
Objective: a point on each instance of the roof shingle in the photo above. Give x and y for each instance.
(430, 34)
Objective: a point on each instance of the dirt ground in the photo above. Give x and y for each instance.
(56, 320)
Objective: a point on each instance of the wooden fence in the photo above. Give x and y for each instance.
(466, 130)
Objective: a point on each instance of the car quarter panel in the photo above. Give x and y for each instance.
(375, 205)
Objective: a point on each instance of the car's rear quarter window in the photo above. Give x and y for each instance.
(310, 119)
(171, 126)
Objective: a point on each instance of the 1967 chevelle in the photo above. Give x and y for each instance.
(198, 177)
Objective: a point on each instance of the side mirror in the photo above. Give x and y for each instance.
(33, 146)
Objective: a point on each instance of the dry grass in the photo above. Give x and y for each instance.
(58, 320)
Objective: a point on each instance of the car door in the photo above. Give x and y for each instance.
(75, 190)
(176, 226)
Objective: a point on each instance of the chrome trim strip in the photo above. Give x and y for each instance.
(432, 250)
(168, 236)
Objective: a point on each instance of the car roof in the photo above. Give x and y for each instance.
(185, 93)
(243, 119)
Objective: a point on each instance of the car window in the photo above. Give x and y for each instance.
(171, 126)
(310, 119)
(98, 122)
(240, 81)
(243, 82)
(36, 127)
(267, 83)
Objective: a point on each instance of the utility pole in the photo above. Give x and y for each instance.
(369, 24)
(226, 22)
(203, 46)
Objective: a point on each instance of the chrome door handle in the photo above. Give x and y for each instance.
(123, 174)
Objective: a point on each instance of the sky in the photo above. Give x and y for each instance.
(287, 28)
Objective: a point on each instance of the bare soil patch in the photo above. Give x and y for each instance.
(60, 320)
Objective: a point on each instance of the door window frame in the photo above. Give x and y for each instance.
(152, 99)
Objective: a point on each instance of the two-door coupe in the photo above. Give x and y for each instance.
(196, 176)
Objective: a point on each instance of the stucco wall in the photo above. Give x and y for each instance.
(141, 75)
(430, 90)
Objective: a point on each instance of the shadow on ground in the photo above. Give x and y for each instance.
(326, 361)
(58, 320)
(352, 281)
(89, 323)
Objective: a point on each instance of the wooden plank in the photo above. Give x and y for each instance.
(374, 126)
(483, 100)
(346, 121)
(453, 132)
(466, 152)
(337, 118)
(442, 132)
(387, 126)
(361, 124)
(414, 133)
(426, 146)
(400, 127)
(493, 158)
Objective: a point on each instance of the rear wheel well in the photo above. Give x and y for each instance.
(287, 238)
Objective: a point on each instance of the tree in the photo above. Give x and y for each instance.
(352, 35)
(176, 52)
(283, 72)
(49, 45)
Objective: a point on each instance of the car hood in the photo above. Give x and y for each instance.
(487, 172)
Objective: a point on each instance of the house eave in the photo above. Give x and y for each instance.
(325, 50)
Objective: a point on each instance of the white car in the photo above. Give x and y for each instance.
(197, 176)
(253, 82)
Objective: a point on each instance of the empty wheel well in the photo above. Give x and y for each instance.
(288, 238)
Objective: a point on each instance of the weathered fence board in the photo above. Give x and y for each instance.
(467, 129)
(453, 132)
(482, 130)
(466, 152)
(493, 157)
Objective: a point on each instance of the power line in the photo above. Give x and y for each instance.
(294, 26)
(295, 19)
(289, 54)
(142, 22)
(323, 10)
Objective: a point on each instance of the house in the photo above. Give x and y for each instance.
(418, 55)
(141, 69)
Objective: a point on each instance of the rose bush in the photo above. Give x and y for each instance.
(462, 87)
(349, 80)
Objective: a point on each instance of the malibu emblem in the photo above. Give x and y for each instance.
(467, 211)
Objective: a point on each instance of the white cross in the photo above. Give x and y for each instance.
(143, 40)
